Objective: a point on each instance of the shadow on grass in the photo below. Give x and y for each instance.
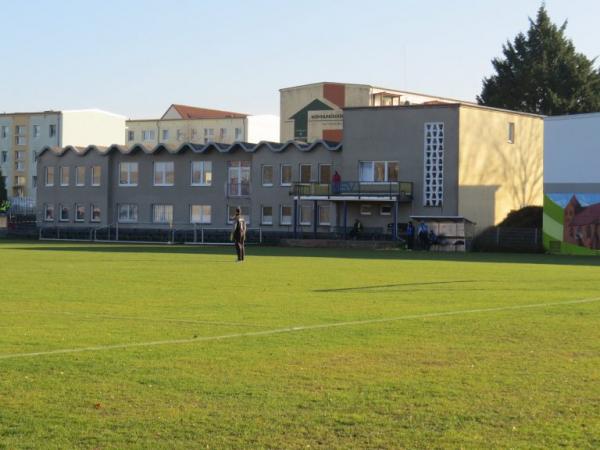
(252, 250)
(401, 285)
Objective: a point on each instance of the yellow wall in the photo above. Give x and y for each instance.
(496, 176)
(20, 120)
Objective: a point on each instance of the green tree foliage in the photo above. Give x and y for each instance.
(542, 73)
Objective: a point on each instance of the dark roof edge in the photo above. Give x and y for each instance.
(247, 147)
(447, 105)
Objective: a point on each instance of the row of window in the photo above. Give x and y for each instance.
(202, 214)
(81, 177)
(64, 213)
(238, 173)
(209, 135)
(21, 132)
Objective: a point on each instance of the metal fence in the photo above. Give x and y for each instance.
(503, 239)
(148, 233)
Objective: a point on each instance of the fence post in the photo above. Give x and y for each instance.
(260, 235)
(195, 233)
(117, 232)
(202, 234)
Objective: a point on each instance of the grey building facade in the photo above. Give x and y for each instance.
(394, 164)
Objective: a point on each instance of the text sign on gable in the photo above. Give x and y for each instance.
(325, 116)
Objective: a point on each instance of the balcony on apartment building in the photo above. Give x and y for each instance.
(400, 191)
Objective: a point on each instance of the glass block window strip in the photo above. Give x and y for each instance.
(433, 149)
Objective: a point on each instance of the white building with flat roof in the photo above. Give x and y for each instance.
(23, 135)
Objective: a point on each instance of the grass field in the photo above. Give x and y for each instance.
(114, 346)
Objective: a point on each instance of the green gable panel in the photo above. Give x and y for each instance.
(301, 118)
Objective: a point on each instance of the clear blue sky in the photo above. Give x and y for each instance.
(135, 57)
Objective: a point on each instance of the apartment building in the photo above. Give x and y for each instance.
(23, 135)
(181, 123)
(315, 111)
(395, 163)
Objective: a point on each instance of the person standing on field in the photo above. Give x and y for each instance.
(238, 235)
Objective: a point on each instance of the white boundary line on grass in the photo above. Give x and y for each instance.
(294, 329)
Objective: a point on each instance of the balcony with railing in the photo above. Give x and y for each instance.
(401, 191)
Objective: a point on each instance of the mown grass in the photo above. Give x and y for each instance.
(519, 378)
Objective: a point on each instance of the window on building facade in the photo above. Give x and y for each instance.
(324, 211)
(245, 213)
(64, 176)
(20, 138)
(94, 213)
(162, 213)
(49, 212)
(267, 175)
(385, 210)
(194, 134)
(4, 156)
(201, 214)
(128, 213)
(4, 132)
(306, 212)
(164, 173)
(34, 181)
(52, 130)
(511, 132)
(238, 134)
(80, 176)
(64, 213)
(36, 131)
(165, 135)
(365, 210)
(79, 212)
(209, 135)
(128, 174)
(20, 181)
(324, 173)
(266, 215)
(238, 178)
(305, 173)
(49, 176)
(96, 175)
(222, 134)
(285, 215)
(201, 173)
(148, 135)
(433, 149)
(377, 171)
(180, 136)
(286, 175)
(131, 135)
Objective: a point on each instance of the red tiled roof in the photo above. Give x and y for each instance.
(191, 112)
(588, 215)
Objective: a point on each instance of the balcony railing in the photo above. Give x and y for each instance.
(402, 190)
(238, 189)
